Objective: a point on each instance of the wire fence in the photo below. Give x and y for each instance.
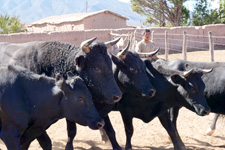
(178, 43)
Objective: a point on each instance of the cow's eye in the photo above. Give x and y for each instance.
(97, 69)
(133, 70)
(193, 90)
(81, 99)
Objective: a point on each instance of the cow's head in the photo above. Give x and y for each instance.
(131, 73)
(95, 67)
(191, 88)
(77, 105)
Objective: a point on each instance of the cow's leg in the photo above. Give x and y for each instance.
(174, 112)
(167, 124)
(111, 133)
(11, 138)
(127, 120)
(45, 141)
(104, 136)
(25, 146)
(71, 132)
(212, 127)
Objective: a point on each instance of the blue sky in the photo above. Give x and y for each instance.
(190, 4)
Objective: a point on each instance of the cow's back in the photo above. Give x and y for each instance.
(22, 54)
(21, 90)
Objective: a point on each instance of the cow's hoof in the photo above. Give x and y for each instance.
(209, 131)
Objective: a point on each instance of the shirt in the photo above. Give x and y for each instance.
(144, 47)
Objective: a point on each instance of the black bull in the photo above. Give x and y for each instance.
(91, 62)
(173, 89)
(26, 98)
(214, 82)
(130, 73)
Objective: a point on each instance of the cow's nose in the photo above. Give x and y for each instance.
(101, 124)
(152, 93)
(204, 112)
(116, 98)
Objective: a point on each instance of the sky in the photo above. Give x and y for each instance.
(190, 4)
(125, 1)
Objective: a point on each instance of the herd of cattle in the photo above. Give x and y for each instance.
(42, 82)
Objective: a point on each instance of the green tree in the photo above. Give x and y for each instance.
(10, 24)
(185, 19)
(222, 11)
(203, 15)
(160, 12)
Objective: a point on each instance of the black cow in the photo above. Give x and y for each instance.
(173, 88)
(129, 72)
(91, 62)
(30, 103)
(214, 82)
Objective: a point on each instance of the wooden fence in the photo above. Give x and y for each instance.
(177, 43)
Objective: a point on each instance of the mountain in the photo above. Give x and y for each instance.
(33, 10)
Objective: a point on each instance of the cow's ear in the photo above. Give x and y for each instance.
(69, 74)
(59, 80)
(80, 61)
(58, 77)
(117, 61)
(61, 83)
(177, 79)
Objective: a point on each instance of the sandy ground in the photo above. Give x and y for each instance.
(150, 135)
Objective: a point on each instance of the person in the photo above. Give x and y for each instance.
(145, 45)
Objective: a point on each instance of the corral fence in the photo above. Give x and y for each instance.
(176, 43)
(170, 40)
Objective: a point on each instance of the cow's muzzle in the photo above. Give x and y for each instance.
(151, 93)
(100, 124)
(202, 111)
(116, 98)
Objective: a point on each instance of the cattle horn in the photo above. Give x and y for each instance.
(84, 45)
(187, 73)
(205, 71)
(146, 55)
(113, 42)
(122, 54)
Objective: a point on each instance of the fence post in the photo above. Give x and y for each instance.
(152, 36)
(184, 48)
(166, 46)
(211, 46)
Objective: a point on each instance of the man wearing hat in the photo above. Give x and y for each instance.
(145, 45)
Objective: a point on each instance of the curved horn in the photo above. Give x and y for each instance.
(113, 42)
(84, 45)
(205, 71)
(187, 73)
(145, 55)
(122, 54)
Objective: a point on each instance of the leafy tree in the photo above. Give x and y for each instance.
(10, 24)
(160, 12)
(203, 15)
(222, 11)
(185, 19)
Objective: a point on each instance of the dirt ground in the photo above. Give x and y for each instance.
(150, 135)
